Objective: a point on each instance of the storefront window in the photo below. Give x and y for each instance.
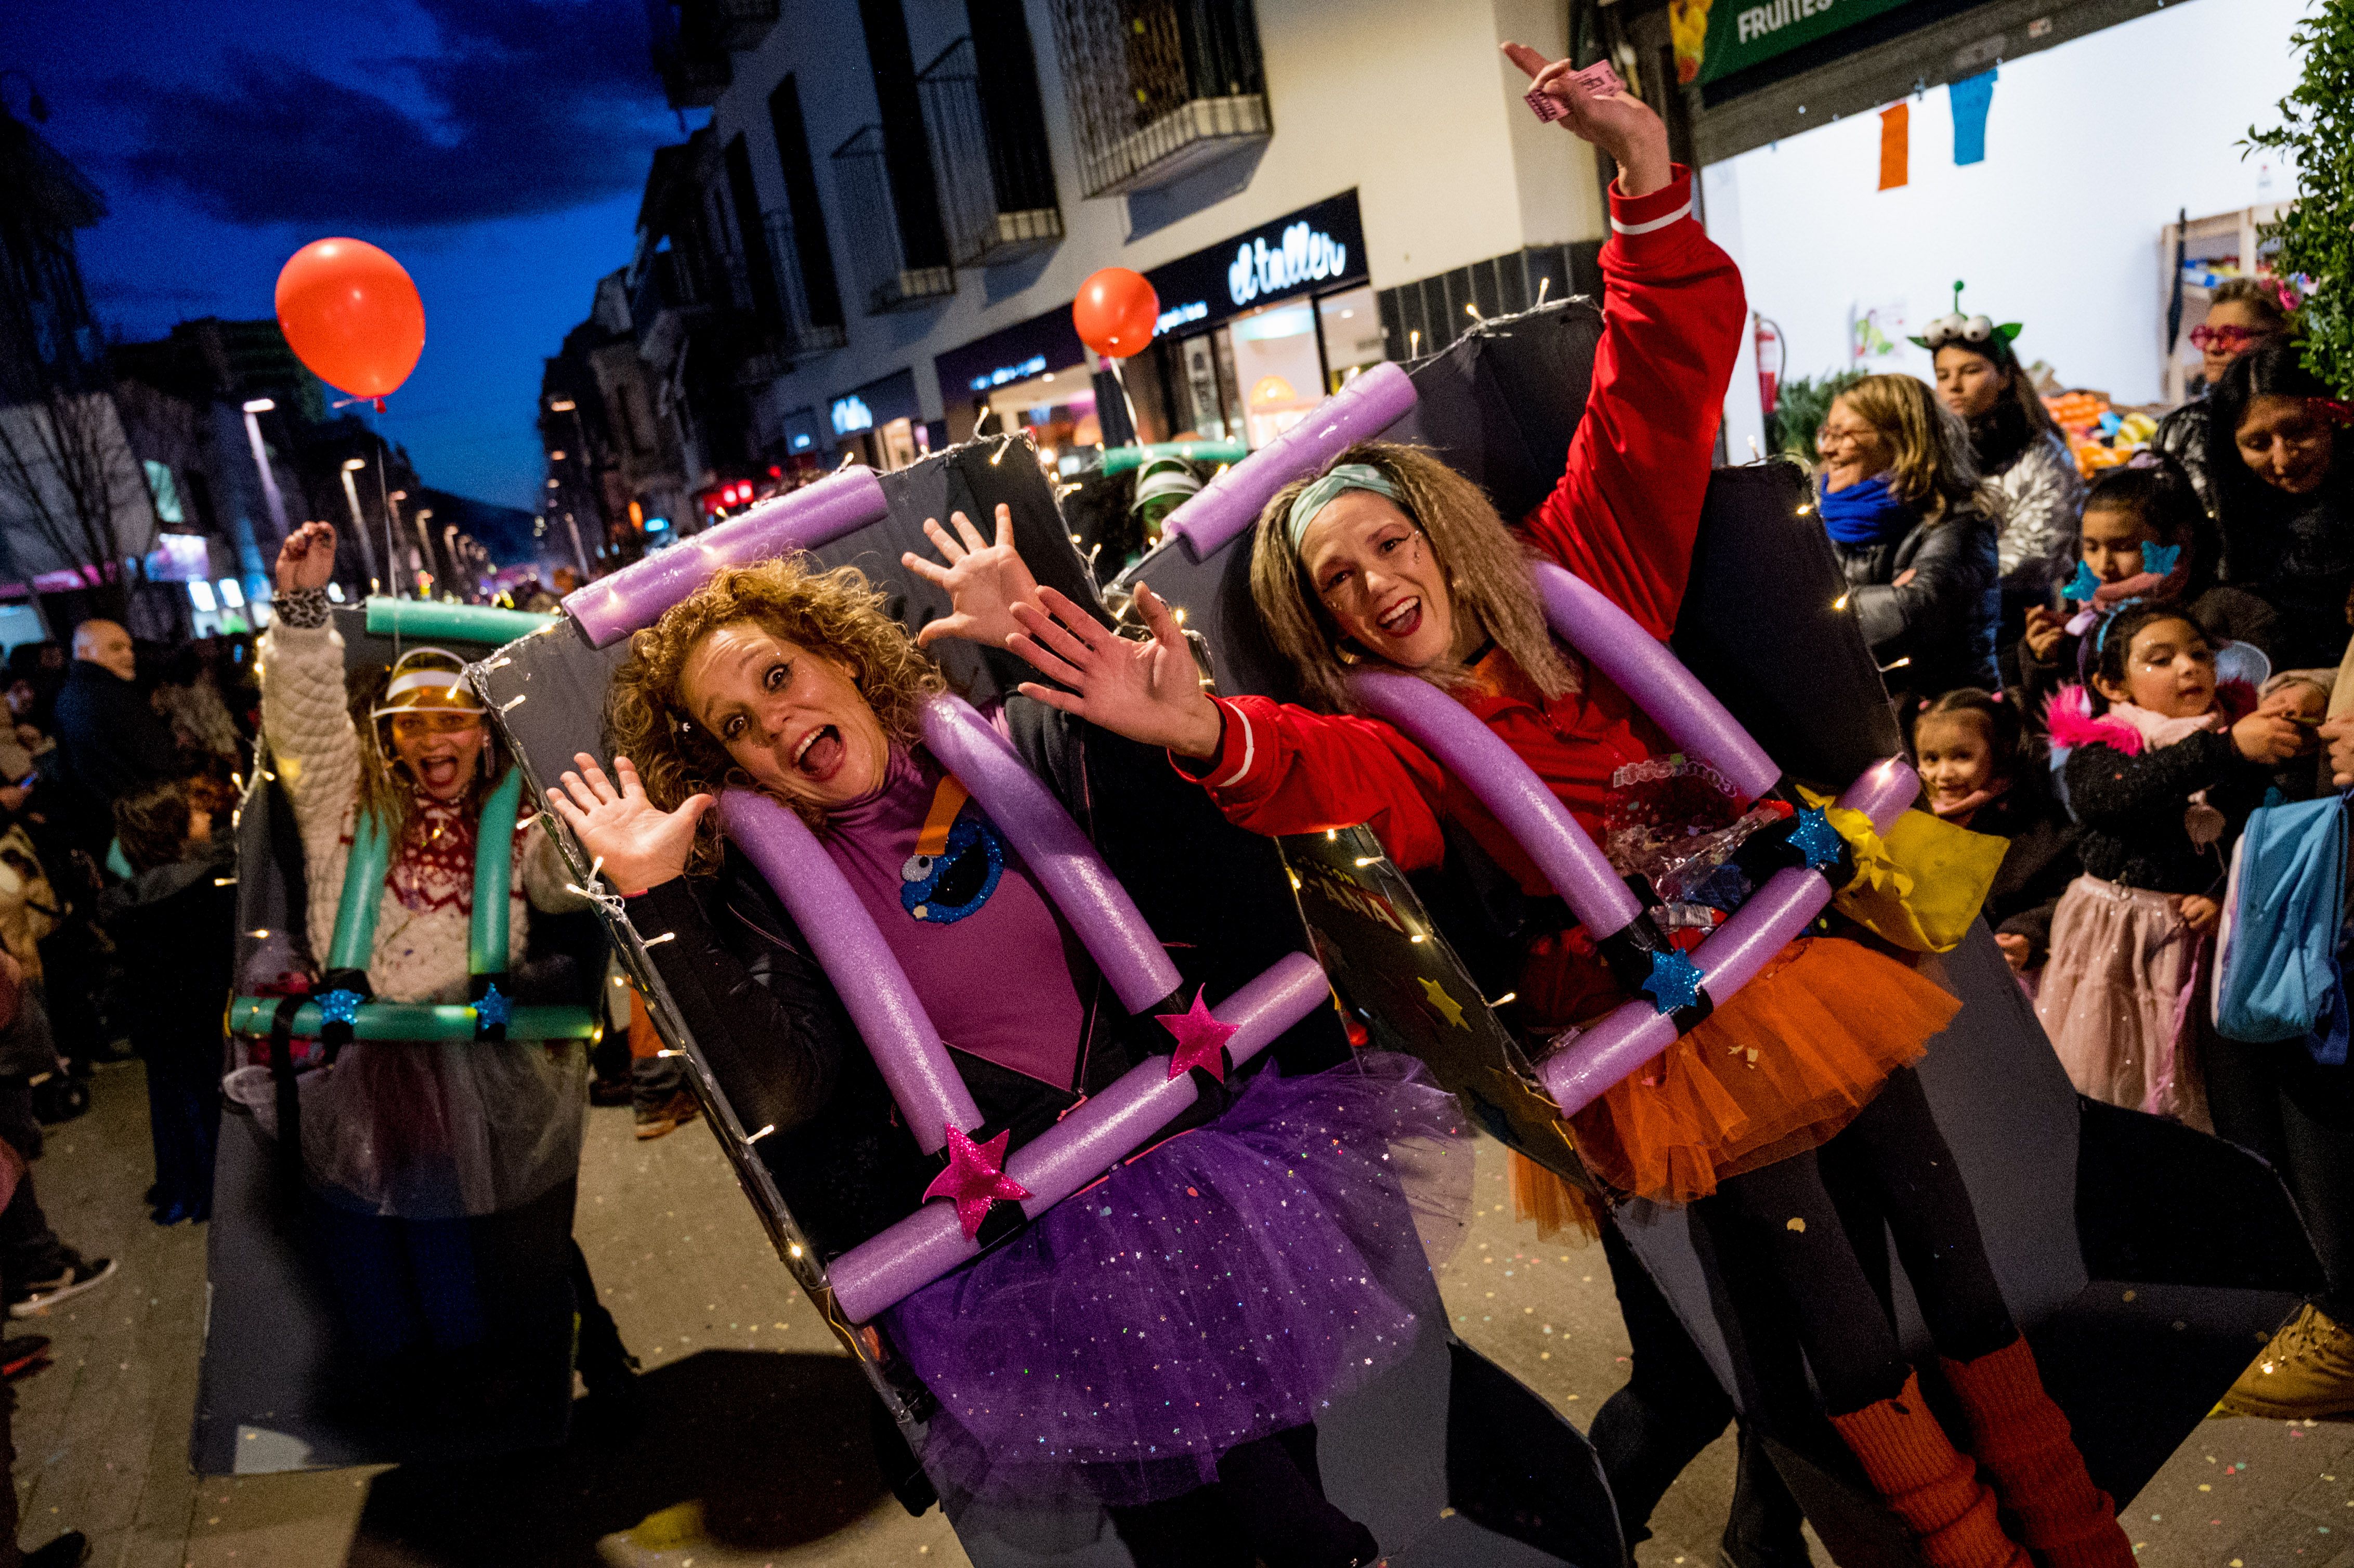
(1353, 335)
(1057, 408)
(1277, 369)
(898, 443)
(1202, 414)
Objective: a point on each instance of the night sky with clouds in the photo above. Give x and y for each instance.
(497, 147)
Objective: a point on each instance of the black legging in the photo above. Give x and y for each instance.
(2278, 1102)
(1785, 1221)
(1671, 1407)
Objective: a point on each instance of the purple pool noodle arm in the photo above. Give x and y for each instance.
(1050, 845)
(1510, 791)
(611, 608)
(844, 937)
(1231, 502)
(1734, 954)
(1077, 1149)
(1639, 665)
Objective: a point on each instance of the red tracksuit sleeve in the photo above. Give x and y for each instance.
(1281, 769)
(1627, 510)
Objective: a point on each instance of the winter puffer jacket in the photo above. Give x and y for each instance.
(2042, 495)
(1942, 619)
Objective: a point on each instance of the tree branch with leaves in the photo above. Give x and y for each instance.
(2316, 237)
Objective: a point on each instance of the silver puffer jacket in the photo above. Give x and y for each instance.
(2042, 494)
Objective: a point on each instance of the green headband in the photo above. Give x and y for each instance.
(1320, 494)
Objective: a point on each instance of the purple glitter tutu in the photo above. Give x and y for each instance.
(1226, 1284)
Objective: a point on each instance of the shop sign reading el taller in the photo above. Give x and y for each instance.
(1717, 38)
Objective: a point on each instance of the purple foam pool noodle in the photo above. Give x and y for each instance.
(873, 989)
(1639, 665)
(1735, 953)
(1513, 794)
(1055, 850)
(1231, 502)
(611, 608)
(1075, 1152)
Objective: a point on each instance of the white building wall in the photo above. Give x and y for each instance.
(2091, 148)
(1410, 103)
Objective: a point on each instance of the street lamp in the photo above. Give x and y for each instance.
(269, 495)
(359, 524)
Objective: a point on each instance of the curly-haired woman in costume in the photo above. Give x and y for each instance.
(794, 682)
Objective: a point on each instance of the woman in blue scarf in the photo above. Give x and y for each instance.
(1901, 497)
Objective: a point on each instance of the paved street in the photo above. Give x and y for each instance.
(743, 1463)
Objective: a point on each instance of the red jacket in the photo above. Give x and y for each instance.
(1623, 517)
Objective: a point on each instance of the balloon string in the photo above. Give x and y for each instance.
(1118, 379)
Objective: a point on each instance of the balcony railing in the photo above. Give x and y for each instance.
(803, 333)
(693, 41)
(879, 257)
(989, 151)
(667, 284)
(1159, 88)
(734, 24)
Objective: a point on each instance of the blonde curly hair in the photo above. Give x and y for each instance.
(837, 612)
(1486, 568)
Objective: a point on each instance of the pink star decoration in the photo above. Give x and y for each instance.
(975, 1178)
(1201, 1040)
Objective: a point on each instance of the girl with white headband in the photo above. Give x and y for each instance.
(404, 1140)
(1391, 560)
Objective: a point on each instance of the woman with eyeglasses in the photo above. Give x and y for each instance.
(2020, 451)
(2283, 497)
(1914, 529)
(2246, 314)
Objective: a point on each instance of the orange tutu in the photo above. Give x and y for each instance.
(1777, 1069)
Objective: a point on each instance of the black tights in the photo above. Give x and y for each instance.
(1785, 1221)
(1671, 1407)
(1268, 1505)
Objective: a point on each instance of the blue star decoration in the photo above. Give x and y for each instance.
(340, 1006)
(2158, 559)
(1674, 982)
(495, 1008)
(1812, 835)
(2084, 584)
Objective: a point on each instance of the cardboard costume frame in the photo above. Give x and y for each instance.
(2145, 1262)
(1446, 1459)
(278, 1387)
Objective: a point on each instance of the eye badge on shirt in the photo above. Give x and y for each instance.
(959, 858)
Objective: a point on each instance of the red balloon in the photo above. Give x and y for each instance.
(350, 313)
(1115, 313)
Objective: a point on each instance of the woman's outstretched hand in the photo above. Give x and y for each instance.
(1621, 126)
(307, 559)
(984, 581)
(641, 845)
(1149, 692)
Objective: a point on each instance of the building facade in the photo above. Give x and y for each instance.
(898, 200)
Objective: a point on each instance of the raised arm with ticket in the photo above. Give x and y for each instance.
(1598, 79)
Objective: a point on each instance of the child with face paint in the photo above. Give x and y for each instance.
(2163, 769)
(2143, 535)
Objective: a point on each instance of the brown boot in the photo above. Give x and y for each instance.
(2021, 1438)
(1928, 1484)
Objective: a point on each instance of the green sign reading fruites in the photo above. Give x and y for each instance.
(1741, 34)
